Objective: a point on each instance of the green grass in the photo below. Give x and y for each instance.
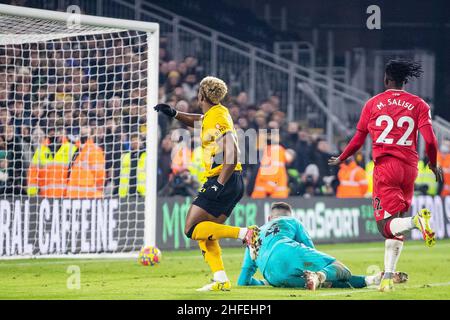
(180, 273)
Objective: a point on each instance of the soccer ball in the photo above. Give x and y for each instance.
(149, 256)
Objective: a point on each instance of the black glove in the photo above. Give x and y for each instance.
(212, 190)
(166, 109)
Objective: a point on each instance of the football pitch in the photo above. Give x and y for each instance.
(181, 272)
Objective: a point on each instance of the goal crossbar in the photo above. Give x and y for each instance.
(83, 18)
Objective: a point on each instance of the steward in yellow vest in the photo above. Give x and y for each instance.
(426, 180)
(48, 172)
(369, 176)
(132, 170)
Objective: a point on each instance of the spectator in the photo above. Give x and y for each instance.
(303, 148)
(48, 172)
(25, 141)
(352, 180)
(425, 183)
(113, 151)
(369, 175)
(132, 172)
(243, 124)
(15, 155)
(294, 177)
(180, 184)
(260, 120)
(320, 157)
(173, 81)
(291, 136)
(444, 161)
(163, 54)
(5, 117)
(164, 161)
(87, 170)
(192, 66)
(310, 183)
(196, 167)
(181, 157)
(100, 83)
(272, 178)
(190, 86)
(5, 182)
(242, 99)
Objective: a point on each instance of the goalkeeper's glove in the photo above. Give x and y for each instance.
(212, 190)
(166, 109)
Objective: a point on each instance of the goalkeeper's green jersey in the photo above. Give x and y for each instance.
(286, 242)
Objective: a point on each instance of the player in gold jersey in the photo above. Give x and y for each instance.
(224, 186)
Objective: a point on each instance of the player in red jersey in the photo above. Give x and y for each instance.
(393, 119)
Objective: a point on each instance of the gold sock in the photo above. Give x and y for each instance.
(212, 254)
(208, 230)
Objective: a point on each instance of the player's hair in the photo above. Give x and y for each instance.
(213, 89)
(282, 206)
(401, 71)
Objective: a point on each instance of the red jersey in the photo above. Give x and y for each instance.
(393, 119)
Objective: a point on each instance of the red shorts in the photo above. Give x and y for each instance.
(393, 187)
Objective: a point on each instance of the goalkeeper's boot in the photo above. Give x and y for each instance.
(216, 286)
(386, 285)
(312, 280)
(422, 222)
(253, 241)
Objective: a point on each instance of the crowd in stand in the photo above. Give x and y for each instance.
(305, 153)
(79, 105)
(50, 91)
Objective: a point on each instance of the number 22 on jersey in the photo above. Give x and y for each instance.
(403, 141)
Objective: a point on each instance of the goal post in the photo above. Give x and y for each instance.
(76, 97)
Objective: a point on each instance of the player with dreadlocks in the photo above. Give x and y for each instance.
(393, 118)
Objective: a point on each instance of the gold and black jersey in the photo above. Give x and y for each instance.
(216, 123)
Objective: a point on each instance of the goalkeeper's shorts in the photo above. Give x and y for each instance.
(289, 260)
(230, 195)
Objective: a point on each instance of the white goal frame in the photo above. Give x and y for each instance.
(152, 31)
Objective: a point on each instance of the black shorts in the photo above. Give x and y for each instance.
(231, 194)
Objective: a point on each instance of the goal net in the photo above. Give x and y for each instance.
(77, 139)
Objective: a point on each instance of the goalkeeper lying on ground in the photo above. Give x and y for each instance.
(287, 258)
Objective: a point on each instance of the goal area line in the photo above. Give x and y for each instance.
(134, 254)
(78, 256)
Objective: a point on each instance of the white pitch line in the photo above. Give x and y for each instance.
(199, 256)
(441, 284)
(329, 250)
(49, 263)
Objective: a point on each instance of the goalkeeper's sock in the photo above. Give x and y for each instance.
(208, 230)
(213, 256)
(392, 251)
(354, 282)
(335, 271)
(399, 226)
(357, 281)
